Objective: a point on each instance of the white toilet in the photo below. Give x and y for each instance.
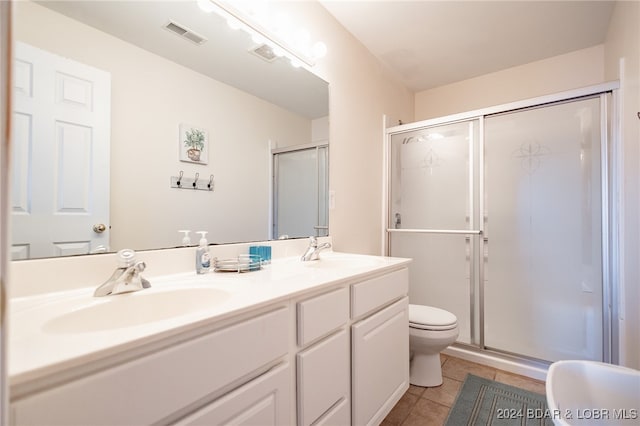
(430, 331)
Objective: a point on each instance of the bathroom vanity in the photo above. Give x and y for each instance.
(323, 342)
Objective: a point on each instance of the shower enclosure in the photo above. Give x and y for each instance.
(506, 215)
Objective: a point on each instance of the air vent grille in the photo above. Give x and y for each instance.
(185, 32)
(265, 52)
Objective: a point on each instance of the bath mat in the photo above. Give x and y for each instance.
(486, 402)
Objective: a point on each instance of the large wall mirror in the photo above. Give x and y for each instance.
(114, 100)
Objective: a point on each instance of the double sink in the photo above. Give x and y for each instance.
(78, 325)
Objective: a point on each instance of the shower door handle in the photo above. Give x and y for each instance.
(485, 248)
(398, 221)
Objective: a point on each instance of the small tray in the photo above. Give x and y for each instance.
(242, 263)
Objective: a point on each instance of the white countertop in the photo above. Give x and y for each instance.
(40, 345)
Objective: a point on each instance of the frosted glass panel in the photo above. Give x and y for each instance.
(543, 274)
(430, 177)
(440, 273)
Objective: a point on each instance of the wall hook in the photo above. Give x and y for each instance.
(195, 183)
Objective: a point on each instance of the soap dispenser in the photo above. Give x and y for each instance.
(186, 240)
(203, 258)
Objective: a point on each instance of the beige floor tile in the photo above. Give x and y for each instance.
(402, 409)
(434, 413)
(414, 419)
(444, 394)
(457, 369)
(430, 406)
(416, 390)
(443, 358)
(520, 382)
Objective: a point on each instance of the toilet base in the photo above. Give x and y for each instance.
(425, 370)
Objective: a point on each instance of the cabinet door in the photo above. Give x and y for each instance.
(263, 401)
(323, 377)
(380, 363)
(339, 415)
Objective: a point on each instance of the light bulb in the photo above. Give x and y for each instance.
(319, 50)
(234, 23)
(206, 6)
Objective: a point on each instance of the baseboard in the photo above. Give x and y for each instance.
(532, 369)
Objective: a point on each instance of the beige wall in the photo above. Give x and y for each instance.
(359, 94)
(623, 41)
(151, 96)
(570, 71)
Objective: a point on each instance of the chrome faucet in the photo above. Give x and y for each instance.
(126, 277)
(313, 251)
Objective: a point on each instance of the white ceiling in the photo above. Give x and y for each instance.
(431, 43)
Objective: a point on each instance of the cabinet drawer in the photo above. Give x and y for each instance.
(321, 315)
(263, 401)
(377, 292)
(323, 377)
(151, 388)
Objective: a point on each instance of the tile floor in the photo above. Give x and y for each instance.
(430, 406)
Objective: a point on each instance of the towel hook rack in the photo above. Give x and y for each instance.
(181, 182)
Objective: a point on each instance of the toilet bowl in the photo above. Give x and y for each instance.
(431, 330)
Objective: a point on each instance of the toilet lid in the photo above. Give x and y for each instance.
(430, 318)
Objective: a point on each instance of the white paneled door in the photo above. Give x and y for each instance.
(60, 188)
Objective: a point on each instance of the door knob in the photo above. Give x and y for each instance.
(99, 228)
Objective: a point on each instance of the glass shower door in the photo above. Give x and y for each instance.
(543, 201)
(300, 192)
(433, 216)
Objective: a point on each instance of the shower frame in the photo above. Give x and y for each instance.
(610, 185)
(320, 185)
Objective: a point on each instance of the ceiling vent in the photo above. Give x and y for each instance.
(184, 32)
(265, 52)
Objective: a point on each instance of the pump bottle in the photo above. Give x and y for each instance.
(203, 258)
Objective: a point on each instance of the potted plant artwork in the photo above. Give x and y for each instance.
(194, 144)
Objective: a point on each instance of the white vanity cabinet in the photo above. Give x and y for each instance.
(163, 386)
(380, 346)
(323, 366)
(334, 353)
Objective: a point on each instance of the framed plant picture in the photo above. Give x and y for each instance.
(194, 144)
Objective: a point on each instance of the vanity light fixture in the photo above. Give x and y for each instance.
(296, 46)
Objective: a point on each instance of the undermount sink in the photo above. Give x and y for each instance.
(593, 393)
(133, 309)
